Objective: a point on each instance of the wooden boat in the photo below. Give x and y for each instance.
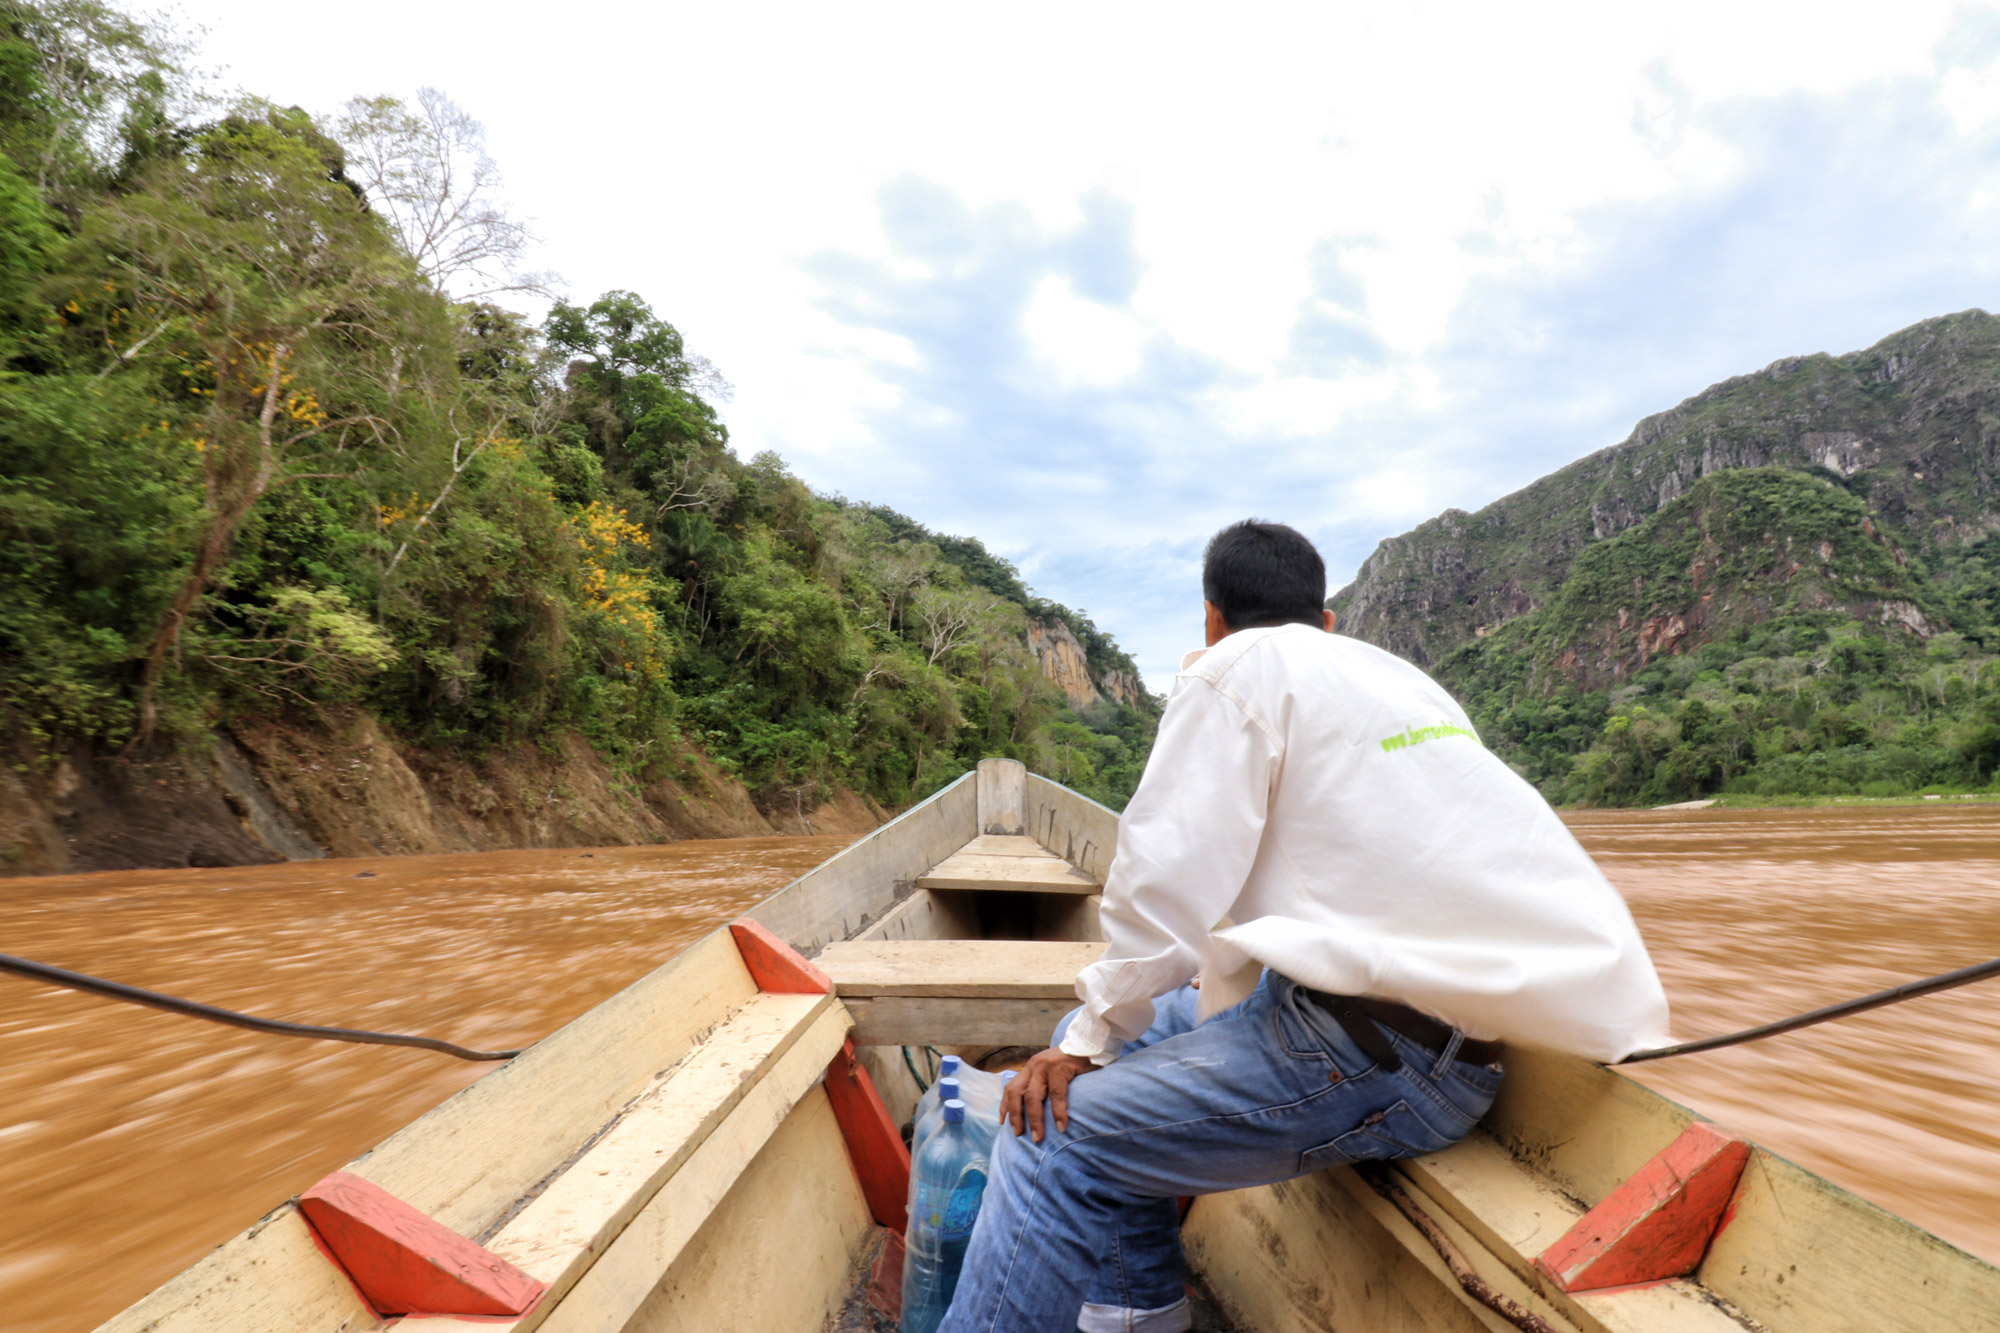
(715, 1148)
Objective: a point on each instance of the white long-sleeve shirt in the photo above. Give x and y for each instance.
(1322, 808)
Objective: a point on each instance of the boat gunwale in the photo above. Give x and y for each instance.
(866, 885)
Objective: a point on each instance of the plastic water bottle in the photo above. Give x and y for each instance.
(980, 1091)
(929, 1118)
(950, 1175)
(927, 1105)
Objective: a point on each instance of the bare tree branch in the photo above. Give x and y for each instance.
(684, 492)
(947, 618)
(427, 174)
(458, 467)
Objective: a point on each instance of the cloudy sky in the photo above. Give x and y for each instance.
(1088, 281)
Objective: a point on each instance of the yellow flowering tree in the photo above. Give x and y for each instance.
(254, 271)
(620, 589)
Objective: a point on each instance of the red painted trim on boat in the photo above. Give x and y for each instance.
(875, 1146)
(404, 1262)
(775, 965)
(885, 1279)
(1658, 1224)
(881, 1159)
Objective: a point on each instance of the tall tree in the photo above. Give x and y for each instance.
(253, 269)
(426, 171)
(75, 77)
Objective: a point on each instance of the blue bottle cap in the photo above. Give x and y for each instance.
(1007, 1076)
(947, 1089)
(954, 1112)
(948, 1066)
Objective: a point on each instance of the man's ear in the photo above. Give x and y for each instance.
(1330, 620)
(1217, 628)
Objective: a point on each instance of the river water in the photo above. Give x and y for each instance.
(132, 1141)
(1754, 915)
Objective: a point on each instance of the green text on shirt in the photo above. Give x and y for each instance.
(1409, 736)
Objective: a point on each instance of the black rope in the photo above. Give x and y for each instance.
(62, 976)
(1964, 976)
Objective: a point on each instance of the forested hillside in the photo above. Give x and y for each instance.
(1784, 586)
(274, 446)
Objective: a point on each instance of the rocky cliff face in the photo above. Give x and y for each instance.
(1911, 426)
(270, 791)
(1065, 662)
(1741, 548)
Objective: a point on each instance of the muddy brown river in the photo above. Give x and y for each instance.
(132, 1141)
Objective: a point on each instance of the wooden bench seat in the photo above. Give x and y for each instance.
(1009, 863)
(956, 992)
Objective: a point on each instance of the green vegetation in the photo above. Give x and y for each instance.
(256, 455)
(1785, 587)
(1760, 636)
(1906, 426)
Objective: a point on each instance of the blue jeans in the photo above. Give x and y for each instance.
(1271, 1089)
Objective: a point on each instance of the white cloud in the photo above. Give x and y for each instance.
(1304, 406)
(1081, 341)
(1173, 263)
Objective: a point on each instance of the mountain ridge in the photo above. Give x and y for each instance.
(1787, 584)
(1895, 412)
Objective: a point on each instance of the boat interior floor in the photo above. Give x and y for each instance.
(859, 1315)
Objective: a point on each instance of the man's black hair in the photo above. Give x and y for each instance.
(1259, 573)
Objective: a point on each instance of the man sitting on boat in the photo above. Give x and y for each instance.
(1394, 901)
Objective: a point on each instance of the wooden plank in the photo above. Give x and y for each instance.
(1511, 1210)
(1000, 789)
(1074, 827)
(1306, 1255)
(1401, 1230)
(894, 1082)
(1801, 1254)
(270, 1279)
(1503, 1216)
(1007, 844)
(466, 1162)
(1585, 1127)
(590, 1244)
(1586, 1130)
(842, 896)
(1068, 916)
(780, 1250)
(924, 915)
(558, 1235)
(1020, 874)
(1309, 1250)
(1681, 1306)
(924, 1020)
(1793, 1259)
(629, 1271)
(969, 969)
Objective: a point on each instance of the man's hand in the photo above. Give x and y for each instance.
(1047, 1076)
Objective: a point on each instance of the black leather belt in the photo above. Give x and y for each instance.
(1363, 1019)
